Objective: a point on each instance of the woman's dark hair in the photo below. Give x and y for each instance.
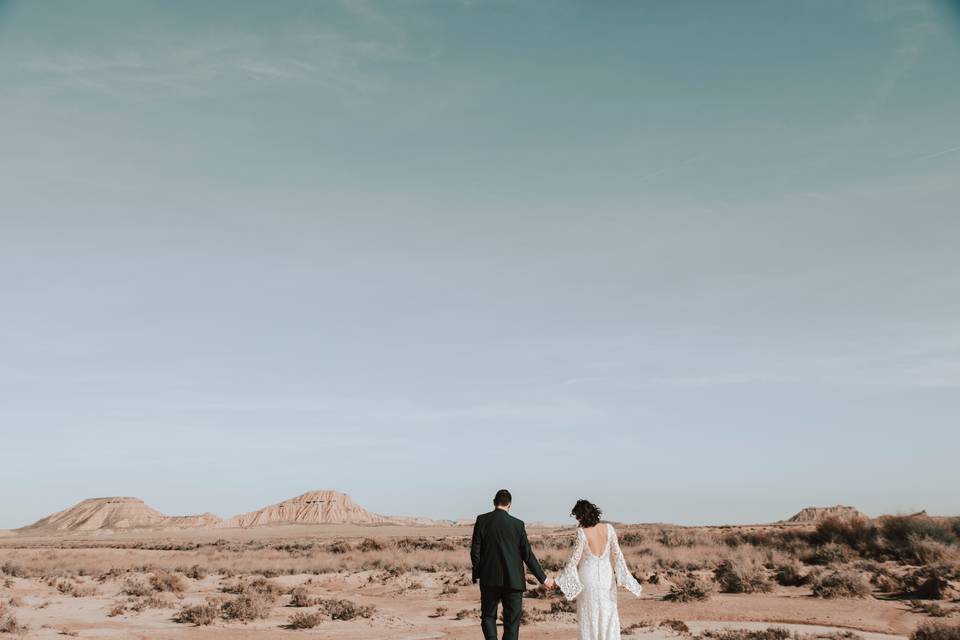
(586, 513)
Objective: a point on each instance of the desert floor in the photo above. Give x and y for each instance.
(416, 580)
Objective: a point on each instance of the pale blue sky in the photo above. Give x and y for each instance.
(696, 261)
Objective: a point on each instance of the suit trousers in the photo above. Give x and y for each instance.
(512, 601)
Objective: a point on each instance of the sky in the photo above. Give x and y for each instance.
(695, 261)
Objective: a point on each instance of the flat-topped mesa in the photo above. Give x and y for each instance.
(313, 507)
(95, 514)
(816, 515)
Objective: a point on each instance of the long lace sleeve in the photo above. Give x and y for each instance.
(569, 578)
(624, 577)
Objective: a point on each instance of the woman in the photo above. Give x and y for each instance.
(592, 574)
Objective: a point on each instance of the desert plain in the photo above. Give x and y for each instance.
(319, 565)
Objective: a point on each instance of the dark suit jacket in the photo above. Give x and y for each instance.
(499, 550)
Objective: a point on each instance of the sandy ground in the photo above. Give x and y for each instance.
(406, 605)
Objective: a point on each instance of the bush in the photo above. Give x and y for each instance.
(198, 614)
(300, 597)
(9, 624)
(689, 589)
(857, 533)
(790, 575)
(196, 572)
(135, 588)
(741, 578)
(831, 553)
(166, 581)
(345, 609)
(903, 536)
(248, 607)
(305, 620)
(841, 584)
(931, 582)
(770, 633)
(936, 631)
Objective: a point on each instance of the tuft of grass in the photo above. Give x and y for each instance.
(841, 584)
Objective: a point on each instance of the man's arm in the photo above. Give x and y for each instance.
(528, 558)
(475, 549)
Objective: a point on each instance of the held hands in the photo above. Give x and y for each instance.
(550, 583)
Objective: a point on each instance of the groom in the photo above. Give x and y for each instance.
(499, 550)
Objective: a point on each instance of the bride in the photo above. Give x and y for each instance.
(592, 574)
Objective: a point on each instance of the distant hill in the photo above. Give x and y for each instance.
(815, 515)
(113, 513)
(313, 507)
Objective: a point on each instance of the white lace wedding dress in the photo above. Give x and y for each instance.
(592, 581)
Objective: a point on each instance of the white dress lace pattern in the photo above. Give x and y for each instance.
(592, 581)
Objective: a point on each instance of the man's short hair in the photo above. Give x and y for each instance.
(503, 498)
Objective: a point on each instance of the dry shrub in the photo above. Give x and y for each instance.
(300, 597)
(858, 534)
(368, 545)
(9, 624)
(689, 588)
(166, 581)
(118, 609)
(736, 577)
(13, 570)
(790, 574)
(931, 609)
(932, 582)
(840, 584)
(14, 601)
(135, 588)
(65, 587)
(449, 589)
(677, 626)
(770, 633)
(345, 609)
(831, 553)
(562, 606)
(305, 620)
(439, 612)
(152, 601)
(906, 538)
(248, 607)
(196, 572)
(468, 614)
(936, 630)
(198, 614)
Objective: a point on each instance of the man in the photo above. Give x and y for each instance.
(499, 550)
